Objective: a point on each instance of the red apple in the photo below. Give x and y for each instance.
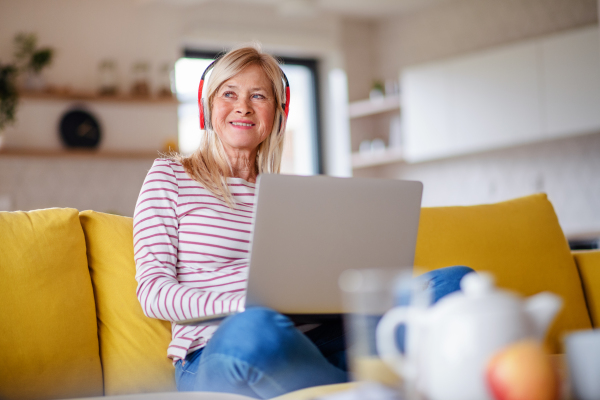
(522, 371)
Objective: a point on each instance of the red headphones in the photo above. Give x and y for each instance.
(285, 106)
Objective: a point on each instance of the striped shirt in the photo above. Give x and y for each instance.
(191, 251)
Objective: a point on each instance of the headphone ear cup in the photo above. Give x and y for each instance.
(202, 124)
(205, 121)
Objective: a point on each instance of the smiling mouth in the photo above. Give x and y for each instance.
(240, 124)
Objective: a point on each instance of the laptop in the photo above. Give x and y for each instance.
(308, 230)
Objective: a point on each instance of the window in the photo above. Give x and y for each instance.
(301, 149)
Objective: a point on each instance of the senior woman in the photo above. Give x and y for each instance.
(192, 227)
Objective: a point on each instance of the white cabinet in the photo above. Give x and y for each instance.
(426, 117)
(494, 99)
(571, 82)
(501, 97)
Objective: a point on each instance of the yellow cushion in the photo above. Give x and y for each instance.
(588, 263)
(48, 331)
(133, 347)
(520, 241)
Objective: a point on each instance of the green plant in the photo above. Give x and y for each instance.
(377, 85)
(28, 56)
(9, 96)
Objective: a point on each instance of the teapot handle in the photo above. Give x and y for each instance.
(386, 341)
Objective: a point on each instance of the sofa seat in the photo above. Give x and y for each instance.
(71, 325)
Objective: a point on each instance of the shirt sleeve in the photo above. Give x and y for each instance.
(155, 242)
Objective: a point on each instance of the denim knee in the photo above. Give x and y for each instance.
(444, 281)
(253, 335)
(260, 353)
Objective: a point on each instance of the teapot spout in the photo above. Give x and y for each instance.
(542, 308)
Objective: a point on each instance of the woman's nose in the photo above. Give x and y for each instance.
(243, 107)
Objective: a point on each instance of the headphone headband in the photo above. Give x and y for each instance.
(285, 106)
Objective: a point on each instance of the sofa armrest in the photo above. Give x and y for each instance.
(588, 263)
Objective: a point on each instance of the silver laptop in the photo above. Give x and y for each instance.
(308, 230)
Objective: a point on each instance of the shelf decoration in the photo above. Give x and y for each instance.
(165, 84)
(80, 129)
(376, 92)
(388, 155)
(141, 85)
(108, 78)
(375, 152)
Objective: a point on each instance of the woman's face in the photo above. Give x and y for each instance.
(243, 110)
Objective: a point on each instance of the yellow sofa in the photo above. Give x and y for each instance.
(71, 326)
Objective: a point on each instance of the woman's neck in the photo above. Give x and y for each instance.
(243, 166)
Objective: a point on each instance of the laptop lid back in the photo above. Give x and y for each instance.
(308, 230)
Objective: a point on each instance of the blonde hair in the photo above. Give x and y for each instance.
(209, 164)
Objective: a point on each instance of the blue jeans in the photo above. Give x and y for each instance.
(259, 353)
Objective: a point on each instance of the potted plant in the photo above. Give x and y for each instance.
(28, 59)
(31, 60)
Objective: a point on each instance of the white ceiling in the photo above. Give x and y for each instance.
(370, 9)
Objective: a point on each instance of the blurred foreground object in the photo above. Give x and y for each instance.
(583, 356)
(368, 294)
(522, 371)
(448, 345)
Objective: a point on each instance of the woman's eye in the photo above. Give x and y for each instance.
(228, 94)
(258, 96)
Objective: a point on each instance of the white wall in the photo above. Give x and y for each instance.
(84, 32)
(358, 38)
(99, 184)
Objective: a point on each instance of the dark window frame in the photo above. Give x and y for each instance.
(313, 65)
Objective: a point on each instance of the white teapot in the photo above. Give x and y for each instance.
(449, 345)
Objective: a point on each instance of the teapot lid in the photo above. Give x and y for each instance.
(474, 284)
(478, 294)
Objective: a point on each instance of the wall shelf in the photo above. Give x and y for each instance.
(79, 153)
(88, 96)
(384, 107)
(364, 108)
(387, 156)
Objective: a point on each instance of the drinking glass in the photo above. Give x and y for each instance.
(583, 357)
(367, 295)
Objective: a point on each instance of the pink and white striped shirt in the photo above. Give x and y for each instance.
(191, 251)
